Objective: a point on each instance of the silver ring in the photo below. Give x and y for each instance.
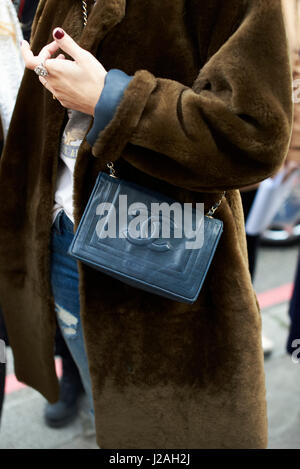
(41, 70)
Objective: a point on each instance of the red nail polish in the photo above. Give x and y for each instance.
(59, 34)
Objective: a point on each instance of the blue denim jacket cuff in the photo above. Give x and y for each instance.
(115, 84)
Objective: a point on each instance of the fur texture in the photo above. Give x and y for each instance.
(209, 108)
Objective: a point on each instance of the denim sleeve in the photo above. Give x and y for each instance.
(115, 84)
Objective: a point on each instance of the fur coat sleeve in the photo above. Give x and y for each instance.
(231, 127)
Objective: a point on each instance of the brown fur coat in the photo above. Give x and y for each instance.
(209, 109)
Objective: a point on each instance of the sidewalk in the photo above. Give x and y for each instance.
(23, 427)
(276, 267)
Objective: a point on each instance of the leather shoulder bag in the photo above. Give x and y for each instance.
(163, 266)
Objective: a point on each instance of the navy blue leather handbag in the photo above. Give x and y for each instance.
(161, 265)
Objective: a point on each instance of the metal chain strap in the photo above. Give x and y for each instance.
(84, 12)
(215, 207)
(110, 164)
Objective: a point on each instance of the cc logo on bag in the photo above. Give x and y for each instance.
(151, 240)
(149, 230)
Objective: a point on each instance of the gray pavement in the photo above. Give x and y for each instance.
(23, 427)
(277, 267)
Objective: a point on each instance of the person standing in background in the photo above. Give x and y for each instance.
(248, 195)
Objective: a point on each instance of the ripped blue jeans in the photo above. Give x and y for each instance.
(65, 283)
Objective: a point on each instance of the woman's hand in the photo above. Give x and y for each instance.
(76, 84)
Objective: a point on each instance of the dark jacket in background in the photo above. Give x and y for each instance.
(26, 12)
(294, 313)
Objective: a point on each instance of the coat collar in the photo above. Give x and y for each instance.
(104, 16)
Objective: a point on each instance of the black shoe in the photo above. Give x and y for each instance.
(65, 410)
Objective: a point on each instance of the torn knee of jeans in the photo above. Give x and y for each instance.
(68, 321)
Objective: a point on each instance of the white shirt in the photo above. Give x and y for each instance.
(73, 135)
